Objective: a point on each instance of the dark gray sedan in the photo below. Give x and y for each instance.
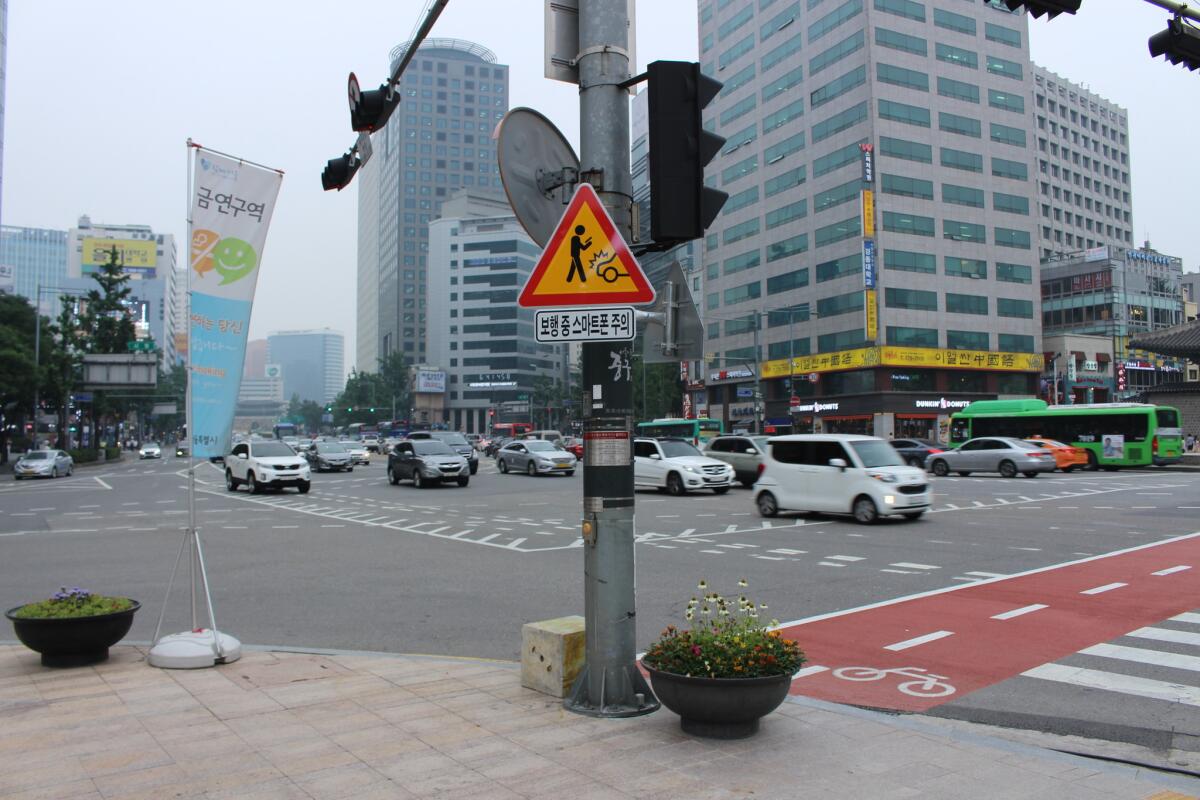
(1001, 454)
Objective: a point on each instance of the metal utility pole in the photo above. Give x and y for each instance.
(610, 684)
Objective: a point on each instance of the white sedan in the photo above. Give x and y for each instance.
(678, 467)
(359, 454)
(150, 450)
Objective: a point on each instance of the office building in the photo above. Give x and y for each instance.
(255, 363)
(884, 321)
(3, 80)
(33, 259)
(148, 258)
(437, 142)
(479, 258)
(312, 363)
(1117, 293)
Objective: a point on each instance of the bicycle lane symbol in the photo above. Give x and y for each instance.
(912, 682)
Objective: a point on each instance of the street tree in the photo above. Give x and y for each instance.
(17, 318)
(106, 327)
(393, 372)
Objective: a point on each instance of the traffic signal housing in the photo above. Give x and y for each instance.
(1051, 8)
(1180, 43)
(371, 110)
(339, 171)
(681, 206)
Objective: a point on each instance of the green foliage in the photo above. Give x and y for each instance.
(84, 456)
(106, 325)
(365, 391)
(724, 642)
(72, 604)
(16, 351)
(112, 453)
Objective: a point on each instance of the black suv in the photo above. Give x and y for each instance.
(458, 443)
(426, 462)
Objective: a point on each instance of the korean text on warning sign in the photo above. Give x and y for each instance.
(584, 325)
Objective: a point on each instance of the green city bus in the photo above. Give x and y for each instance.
(1114, 434)
(697, 430)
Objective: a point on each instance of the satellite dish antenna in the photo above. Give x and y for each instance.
(538, 168)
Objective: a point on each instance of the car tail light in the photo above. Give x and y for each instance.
(1154, 445)
(761, 468)
(933, 450)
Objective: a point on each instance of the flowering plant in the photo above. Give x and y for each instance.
(725, 640)
(74, 602)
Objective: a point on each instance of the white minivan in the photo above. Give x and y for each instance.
(840, 473)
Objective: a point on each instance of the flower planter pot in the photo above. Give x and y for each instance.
(73, 642)
(719, 708)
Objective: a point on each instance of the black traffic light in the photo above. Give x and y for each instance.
(681, 206)
(371, 109)
(1051, 8)
(339, 172)
(1180, 43)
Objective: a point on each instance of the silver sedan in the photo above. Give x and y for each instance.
(43, 464)
(1002, 454)
(535, 457)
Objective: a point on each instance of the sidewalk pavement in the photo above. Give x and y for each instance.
(333, 725)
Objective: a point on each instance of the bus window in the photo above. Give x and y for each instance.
(960, 429)
(1166, 417)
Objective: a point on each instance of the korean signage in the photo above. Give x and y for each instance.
(430, 382)
(1148, 258)
(1096, 253)
(868, 162)
(613, 323)
(872, 315)
(491, 261)
(868, 263)
(138, 256)
(231, 208)
(868, 212)
(1091, 281)
(887, 355)
(730, 374)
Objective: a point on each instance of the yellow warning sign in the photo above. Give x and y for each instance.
(586, 262)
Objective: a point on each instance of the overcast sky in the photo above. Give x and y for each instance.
(101, 98)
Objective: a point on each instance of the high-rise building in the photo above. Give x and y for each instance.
(255, 363)
(877, 322)
(36, 259)
(437, 142)
(479, 258)
(148, 258)
(312, 363)
(3, 80)
(1082, 167)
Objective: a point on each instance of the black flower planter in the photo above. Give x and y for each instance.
(719, 708)
(73, 642)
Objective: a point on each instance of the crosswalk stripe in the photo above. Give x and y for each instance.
(1144, 656)
(1187, 617)
(1167, 635)
(1114, 682)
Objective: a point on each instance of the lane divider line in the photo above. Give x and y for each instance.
(1108, 587)
(919, 640)
(1018, 612)
(1172, 570)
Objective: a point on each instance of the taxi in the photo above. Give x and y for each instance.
(1066, 457)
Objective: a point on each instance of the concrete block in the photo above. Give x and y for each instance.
(552, 654)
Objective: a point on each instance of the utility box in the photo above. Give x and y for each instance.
(552, 654)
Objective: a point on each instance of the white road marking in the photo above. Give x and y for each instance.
(752, 555)
(1018, 612)
(919, 640)
(783, 551)
(514, 544)
(102, 483)
(1172, 570)
(1108, 587)
(1188, 617)
(333, 526)
(848, 558)
(1122, 684)
(907, 565)
(901, 571)
(288, 527)
(41, 509)
(1166, 635)
(830, 564)
(1142, 656)
(716, 552)
(235, 527)
(1030, 549)
(813, 670)
(488, 538)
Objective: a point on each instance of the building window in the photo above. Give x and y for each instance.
(902, 112)
(1001, 34)
(958, 90)
(967, 340)
(850, 154)
(899, 76)
(907, 223)
(962, 195)
(784, 82)
(964, 126)
(906, 187)
(834, 54)
(839, 267)
(902, 8)
(901, 41)
(781, 52)
(916, 299)
(1016, 343)
(953, 22)
(1006, 237)
(1011, 203)
(909, 261)
(961, 159)
(838, 231)
(846, 11)
(741, 200)
(839, 122)
(966, 303)
(837, 87)
(842, 340)
(787, 281)
(1005, 68)
(734, 53)
(783, 181)
(784, 214)
(783, 116)
(739, 294)
(965, 267)
(964, 231)
(743, 230)
(840, 304)
(956, 55)
(787, 247)
(1006, 101)
(900, 336)
(741, 262)
(1010, 307)
(746, 166)
(780, 150)
(837, 195)
(903, 148)
(1003, 168)
(1014, 273)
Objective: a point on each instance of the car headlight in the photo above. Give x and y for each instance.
(690, 468)
(886, 477)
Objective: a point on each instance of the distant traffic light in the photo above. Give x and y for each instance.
(1051, 8)
(339, 171)
(1180, 43)
(681, 205)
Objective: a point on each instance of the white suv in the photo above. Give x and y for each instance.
(677, 466)
(840, 473)
(260, 464)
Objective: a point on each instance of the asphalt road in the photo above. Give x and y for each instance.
(358, 564)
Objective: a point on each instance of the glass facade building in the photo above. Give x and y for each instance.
(37, 257)
(312, 362)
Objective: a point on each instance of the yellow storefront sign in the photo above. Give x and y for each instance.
(131, 253)
(868, 209)
(872, 315)
(886, 355)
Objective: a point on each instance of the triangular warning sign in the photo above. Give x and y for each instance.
(586, 263)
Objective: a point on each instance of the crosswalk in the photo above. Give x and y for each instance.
(1157, 663)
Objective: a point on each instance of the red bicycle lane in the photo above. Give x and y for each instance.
(954, 641)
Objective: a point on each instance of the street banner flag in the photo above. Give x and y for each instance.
(231, 208)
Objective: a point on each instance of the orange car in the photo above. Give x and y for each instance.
(1066, 457)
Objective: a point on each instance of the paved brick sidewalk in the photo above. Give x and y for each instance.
(296, 725)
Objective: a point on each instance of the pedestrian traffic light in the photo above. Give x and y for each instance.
(340, 171)
(1051, 8)
(681, 205)
(1180, 43)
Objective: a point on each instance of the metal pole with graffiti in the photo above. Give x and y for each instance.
(230, 202)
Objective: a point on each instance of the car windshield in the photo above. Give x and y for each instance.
(330, 447)
(877, 454)
(432, 447)
(540, 446)
(150, 444)
(271, 449)
(453, 438)
(36, 455)
(676, 449)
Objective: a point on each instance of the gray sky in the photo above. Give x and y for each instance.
(101, 98)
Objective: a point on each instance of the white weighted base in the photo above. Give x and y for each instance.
(194, 650)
